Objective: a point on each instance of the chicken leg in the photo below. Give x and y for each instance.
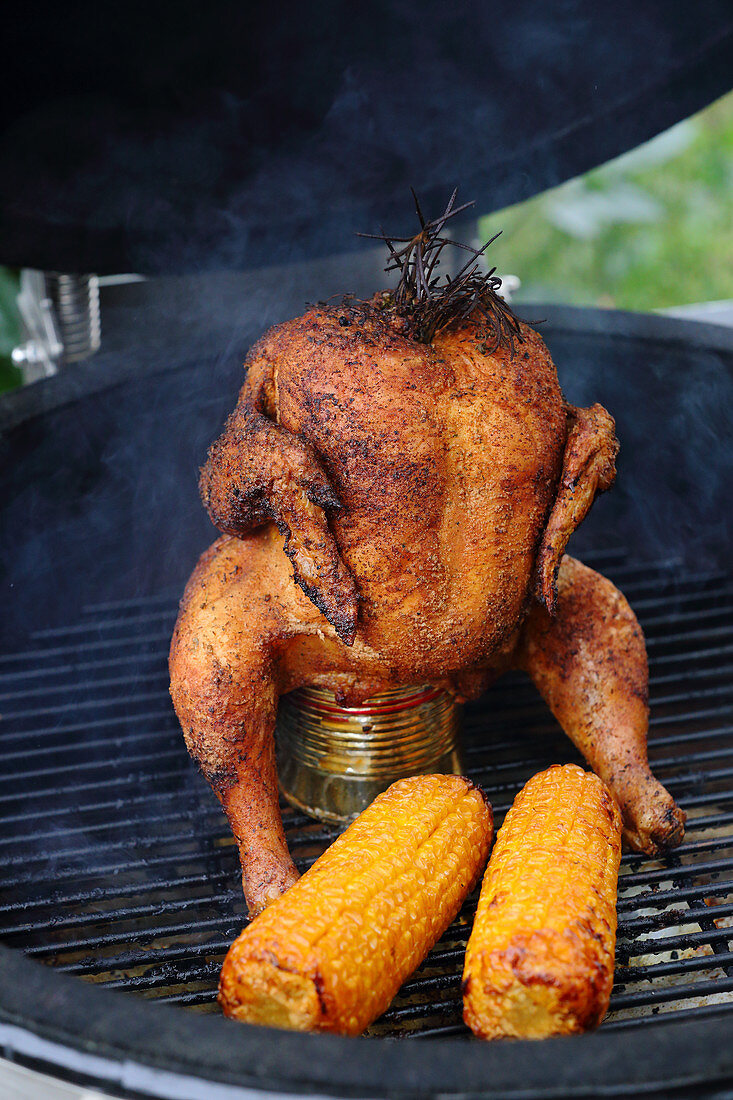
(589, 663)
(224, 689)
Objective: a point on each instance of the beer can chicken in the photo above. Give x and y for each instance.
(395, 490)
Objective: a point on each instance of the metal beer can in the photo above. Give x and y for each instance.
(334, 760)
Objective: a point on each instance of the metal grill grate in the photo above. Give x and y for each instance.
(116, 864)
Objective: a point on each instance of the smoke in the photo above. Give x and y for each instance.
(253, 136)
(669, 386)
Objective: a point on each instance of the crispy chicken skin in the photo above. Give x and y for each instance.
(421, 498)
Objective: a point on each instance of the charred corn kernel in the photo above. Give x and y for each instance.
(540, 958)
(330, 954)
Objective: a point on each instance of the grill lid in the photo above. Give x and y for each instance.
(253, 134)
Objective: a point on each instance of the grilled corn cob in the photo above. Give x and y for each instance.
(330, 954)
(540, 958)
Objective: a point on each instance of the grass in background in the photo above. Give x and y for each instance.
(9, 330)
(653, 228)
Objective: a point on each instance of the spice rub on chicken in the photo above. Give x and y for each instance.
(396, 487)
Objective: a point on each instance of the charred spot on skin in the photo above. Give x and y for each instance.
(641, 691)
(673, 814)
(343, 622)
(221, 779)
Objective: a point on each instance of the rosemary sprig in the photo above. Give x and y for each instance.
(433, 304)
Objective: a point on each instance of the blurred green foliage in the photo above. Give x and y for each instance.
(9, 331)
(653, 228)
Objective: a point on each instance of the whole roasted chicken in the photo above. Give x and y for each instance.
(396, 487)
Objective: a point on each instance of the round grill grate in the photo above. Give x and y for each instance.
(118, 865)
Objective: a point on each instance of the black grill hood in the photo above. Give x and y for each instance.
(179, 138)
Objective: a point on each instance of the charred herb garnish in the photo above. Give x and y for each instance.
(433, 303)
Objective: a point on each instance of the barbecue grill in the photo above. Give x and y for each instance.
(120, 884)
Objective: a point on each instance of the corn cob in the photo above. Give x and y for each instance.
(330, 954)
(540, 958)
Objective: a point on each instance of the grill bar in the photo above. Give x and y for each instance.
(166, 615)
(74, 668)
(161, 639)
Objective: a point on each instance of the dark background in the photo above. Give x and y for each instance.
(162, 138)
